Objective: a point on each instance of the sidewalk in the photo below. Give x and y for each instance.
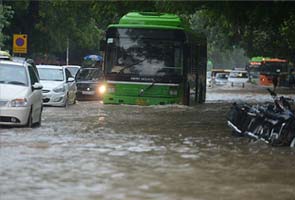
(251, 93)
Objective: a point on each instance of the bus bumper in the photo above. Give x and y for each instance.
(143, 101)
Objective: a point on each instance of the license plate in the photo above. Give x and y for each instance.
(88, 92)
(141, 102)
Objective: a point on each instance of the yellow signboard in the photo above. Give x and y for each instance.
(20, 43)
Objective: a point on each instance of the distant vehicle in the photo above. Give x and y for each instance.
(4, 55)
(238, 78)
(265, 68)
(88, 81)
(20, 94)
(59, 88)
(73, 69)
(216, 71)
(253, 68)
(220, 79)
(274, 67)
(209, 79)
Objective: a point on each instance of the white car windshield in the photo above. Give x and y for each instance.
(222, 76)
(13, 74)
(73, 70)
(49, 74)
(239, 75)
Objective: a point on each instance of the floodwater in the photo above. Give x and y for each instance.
(94, 151)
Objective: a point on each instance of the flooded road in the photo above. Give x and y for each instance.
(95, 151)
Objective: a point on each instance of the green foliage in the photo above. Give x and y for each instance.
(5, 15)
(220, 50)
(64, 20)
(260, 28)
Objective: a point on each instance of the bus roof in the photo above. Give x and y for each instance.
(150, 20)
(258, 59)
(274, 60)
(221, 70)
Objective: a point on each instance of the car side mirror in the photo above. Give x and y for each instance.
(70, 79)
(37, 86)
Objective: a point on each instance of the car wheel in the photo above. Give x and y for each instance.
(30, 120)
(243, 85)
(232, 84)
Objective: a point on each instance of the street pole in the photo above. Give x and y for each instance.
(67, 59)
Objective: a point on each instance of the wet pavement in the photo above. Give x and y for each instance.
(95, 151)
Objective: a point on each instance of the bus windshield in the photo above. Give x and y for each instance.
(274, 67)
(141, 54)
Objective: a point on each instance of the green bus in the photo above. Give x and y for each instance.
(153, 59)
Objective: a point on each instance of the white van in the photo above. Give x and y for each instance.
(237, 77)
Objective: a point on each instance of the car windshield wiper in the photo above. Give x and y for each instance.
(131, 65)
(16, 83)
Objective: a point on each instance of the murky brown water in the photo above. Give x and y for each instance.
(96, 151)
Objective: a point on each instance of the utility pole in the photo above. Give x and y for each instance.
(67, 59)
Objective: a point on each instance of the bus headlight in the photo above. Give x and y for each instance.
(102, 89)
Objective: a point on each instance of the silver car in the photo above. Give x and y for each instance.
(221, 79)
(59, 88)
(20, 94)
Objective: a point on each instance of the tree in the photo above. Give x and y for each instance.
(5, 15)
(260, 28)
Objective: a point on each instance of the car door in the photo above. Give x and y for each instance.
(71, 85)
(35, 96)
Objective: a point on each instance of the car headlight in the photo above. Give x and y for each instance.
(22, 102)
(59, 89)
(102, 89)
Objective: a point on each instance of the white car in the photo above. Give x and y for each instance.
(59, 88)
(238, 78)
(221, 79)
(20, 94)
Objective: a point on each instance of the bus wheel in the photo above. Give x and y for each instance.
(186, 96)
(201, 94)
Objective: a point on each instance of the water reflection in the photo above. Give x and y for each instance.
(95, 151)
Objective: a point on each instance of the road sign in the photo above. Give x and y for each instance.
(20, 42)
